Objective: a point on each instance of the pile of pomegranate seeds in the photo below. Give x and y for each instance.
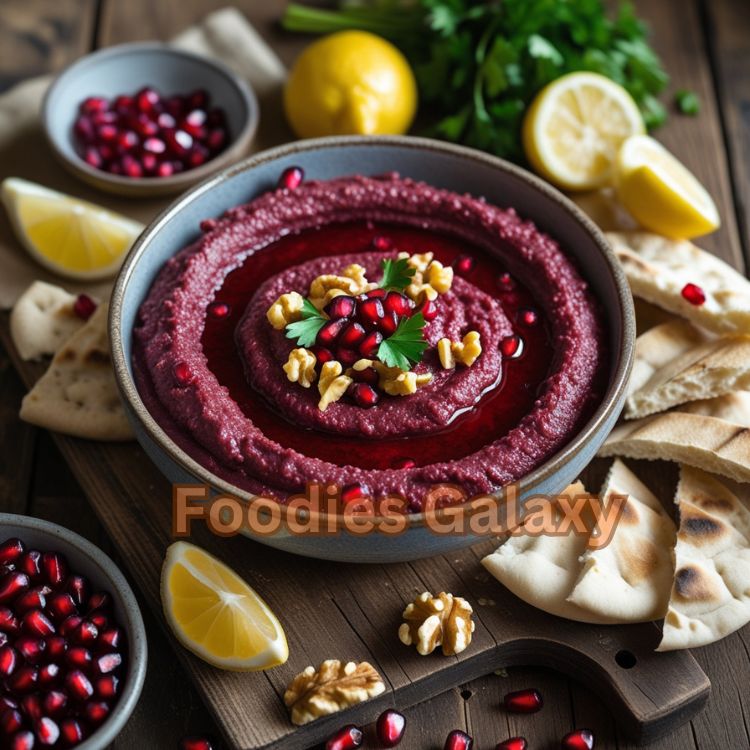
(149, 135)
(61, 652)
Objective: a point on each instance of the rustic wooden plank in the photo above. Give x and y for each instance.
(42, 36)
(728, 25)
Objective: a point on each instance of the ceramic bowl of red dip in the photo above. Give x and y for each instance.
(191, 344)
(73, 652)
(148, 119)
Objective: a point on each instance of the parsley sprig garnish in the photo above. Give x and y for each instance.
(397, 274)
(406, 345)
(305, 330)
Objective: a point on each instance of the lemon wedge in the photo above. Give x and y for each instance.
(660, 193)
(71, 237)
(574, 128)
(216, 615)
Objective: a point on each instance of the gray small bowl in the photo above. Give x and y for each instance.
(125, 69)
(104, 575)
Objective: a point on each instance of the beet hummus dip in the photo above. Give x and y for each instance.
(208, 364)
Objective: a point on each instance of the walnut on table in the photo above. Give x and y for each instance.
(443, 620)
(330, 688)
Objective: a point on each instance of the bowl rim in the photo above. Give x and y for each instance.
(137, 641)
(239, 141)
(611, 403)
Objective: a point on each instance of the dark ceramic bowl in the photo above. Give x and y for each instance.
(104, 575)
(443, 165)
(125, 69)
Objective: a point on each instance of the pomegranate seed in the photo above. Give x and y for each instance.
(10, 721)
(78, 656)
(390, 727)
(330, 331)
(96, 712)
(371, 311)
(382, 243)
(364, 395)
(31, 562)
(84, 307)
(124, 104)
(107, 687)
(13, 585)
(375, 294)
(166, 120)
(528, 317)
(404, 463)
(511, 347)
(56, 646)
(370, 345)
(127, 140)
(693, 294)
(47, 732)
(3, 638)
(108, 663)
(198, 156)
(506, 282)
(322, 354)
(389, 324)
(354, 491)
(458, 740)
(71, 731)
(37, 623)
(48, 674)
(112, 638)
(100, 620)
(99, 600)
(69, 624)
(78, 588)
(93, 157)
(144, 126)
(55, 702)
(149, 163)
(8, 621)
(513, 743)
(106, 133)
(197, 99)
(397, 303)
(165, 169)
(351, 335)
(216, 139)
(32, 649)
(342, 306)
(84, 129)
(369, 375)
(11, 550)
(429, 310)
(347, 738)
(182, 373)
(523, 701)
(93, 104)
(61, 606)
(7, 702)
(178, 141)
(196, 118)
(291, 178)
(8, 660)
(131, 167)
(579, 739)
(78, 685)
(147, 100)
(22, 741)
(24, 679)
(154, 145)
(208, 225)
(32, 599)
(464, 264)
(32, 707)
(55, 568)
(347, 357)
(195, 743)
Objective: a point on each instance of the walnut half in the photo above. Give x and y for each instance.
(332, 687)
(432, 621)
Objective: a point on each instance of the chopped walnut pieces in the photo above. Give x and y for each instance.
(300, 367)
(397, 382)
(419, 291)
(324, 288)
(444, 620)
(333, 687)
(418, 261)
(285, 310)
(439, 277)
(332, 384)
(463, 352)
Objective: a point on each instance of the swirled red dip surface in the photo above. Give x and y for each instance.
(209, 366)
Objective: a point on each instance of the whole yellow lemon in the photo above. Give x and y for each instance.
(350, 83)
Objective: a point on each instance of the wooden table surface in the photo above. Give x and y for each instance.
(705, 45)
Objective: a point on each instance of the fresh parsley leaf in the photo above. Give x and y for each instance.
(397, 274)
(305, 330)
(687, 102)
(406, 345)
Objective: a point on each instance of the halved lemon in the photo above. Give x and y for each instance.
(660, 192)
(216, 615)
(575, 127)
(73, 238)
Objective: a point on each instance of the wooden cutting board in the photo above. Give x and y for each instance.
(352, 612)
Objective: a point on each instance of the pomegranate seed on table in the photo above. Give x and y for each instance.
(12, 585)
(464, 264)
(347, 738)
(523, 701)
(694, 294)
(31, 649)
(291, 178)
(511, 346)
(11, 550)
(78, 656)
(342, 306)
(47, 731)
(55, 702)
(390, 728)
(195, 743)
(71, 731)
(8, 660)
(579, 739)
(10, 721)
(458, 740)
(23, 740)
(78, 685)
(54, 567)
(370, 345)
(379, 242)
(513, 743)
(364, 395)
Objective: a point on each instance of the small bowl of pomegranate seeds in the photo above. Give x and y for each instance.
(148, 119)
(72, 643)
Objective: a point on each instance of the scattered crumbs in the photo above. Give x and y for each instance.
(501, 672)
(482, 602)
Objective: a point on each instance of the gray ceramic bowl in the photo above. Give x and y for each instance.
(440, 164)
(125, 69)
(104, 575)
